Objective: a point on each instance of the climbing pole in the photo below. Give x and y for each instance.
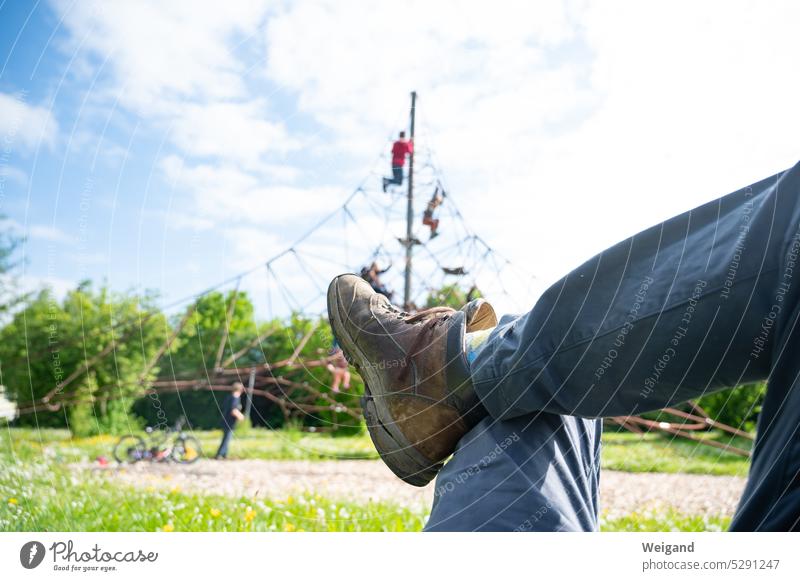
(410, 208)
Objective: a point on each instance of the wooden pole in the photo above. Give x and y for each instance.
(303, 343)
(250, 384)
(410, 208)
(166, 345)
(227, 330)
(243, 350)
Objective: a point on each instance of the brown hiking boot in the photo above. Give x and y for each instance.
(418, 397)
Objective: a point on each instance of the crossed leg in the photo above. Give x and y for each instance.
(706, 300)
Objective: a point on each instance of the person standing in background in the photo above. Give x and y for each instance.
(231, 413)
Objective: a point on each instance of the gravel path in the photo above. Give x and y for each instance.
(362, 481)
(623, 492)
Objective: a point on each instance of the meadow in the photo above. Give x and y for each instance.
(41, 490)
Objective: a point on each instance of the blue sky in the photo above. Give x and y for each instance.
(171, 145)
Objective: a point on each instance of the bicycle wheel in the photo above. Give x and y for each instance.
(129, 449)
(186, 450)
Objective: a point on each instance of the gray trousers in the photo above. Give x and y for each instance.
(227, 436)
(706, 300)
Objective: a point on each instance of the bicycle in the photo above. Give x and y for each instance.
(182, 448)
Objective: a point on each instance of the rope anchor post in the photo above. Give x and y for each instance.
(410, 209)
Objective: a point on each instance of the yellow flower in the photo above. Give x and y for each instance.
(12, 501)
(150, 489)
(289, 500)
(288, 527)
(249, 514)
(215, 512)
(168, 528)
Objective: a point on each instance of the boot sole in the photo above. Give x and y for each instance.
(392, 446)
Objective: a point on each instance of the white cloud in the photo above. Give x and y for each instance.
(561, 127)
(58, 285)
(49, 233)
(39, 232)
(165, 52)
(30, 126)
(690, 109)
(183, 221)
(235, 132)
(223, 192)
(246, 246)
(175, 65)
(178, 67)
(353, 68)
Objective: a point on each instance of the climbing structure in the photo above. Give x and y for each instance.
(370, 225)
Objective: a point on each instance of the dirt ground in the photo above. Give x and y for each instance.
(363, 481)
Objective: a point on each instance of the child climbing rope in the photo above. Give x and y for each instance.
(372, 274)
(338, 368)
(400, 149)
(427, 217)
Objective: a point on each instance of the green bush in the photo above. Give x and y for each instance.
(47, 341)
(200, 408)
(112, 417)
(738, 407)
(451, 295)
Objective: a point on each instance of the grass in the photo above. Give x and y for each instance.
(621, 451)
(42, 496)
(671, 521)
(655, 453)
(45, 496)
(39, 491)
(30, 444)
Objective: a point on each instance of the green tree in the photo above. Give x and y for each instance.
(738, 407)
(9, 289)
(451, 295)
(329, 416)
(198, 342)
(47, 341)
(193, 356)
(310, 385)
